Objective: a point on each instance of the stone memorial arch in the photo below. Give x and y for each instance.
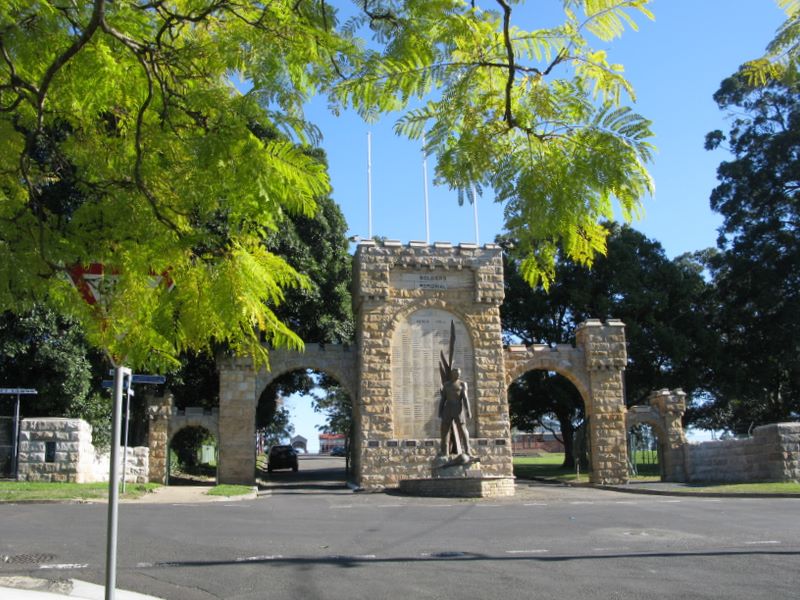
(405, 298)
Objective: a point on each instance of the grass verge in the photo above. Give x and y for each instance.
(230, 490)
(775, 487)
(548, 466)
(21, 491)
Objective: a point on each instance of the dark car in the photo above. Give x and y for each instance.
(338, 451)
(281, 457)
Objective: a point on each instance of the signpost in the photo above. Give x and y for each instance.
(15, 436)
(94, 281)
(134, 378)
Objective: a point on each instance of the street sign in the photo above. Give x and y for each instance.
(146, 379)
(17, 392)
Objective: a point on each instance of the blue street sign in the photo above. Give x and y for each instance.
(146, 379)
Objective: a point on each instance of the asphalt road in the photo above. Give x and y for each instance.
(309, 537)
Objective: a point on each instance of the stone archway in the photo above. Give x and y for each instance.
(595, 365)
(663, 412)
(241, 386)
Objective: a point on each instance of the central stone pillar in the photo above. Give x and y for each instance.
(405, 298)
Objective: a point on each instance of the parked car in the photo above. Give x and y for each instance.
(338, 451)
(281, 457)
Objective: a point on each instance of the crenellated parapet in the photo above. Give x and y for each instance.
(417, 270)
(603, 344)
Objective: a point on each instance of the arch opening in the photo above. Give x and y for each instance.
(549, 426)
(645, 452)
(193, 457)
(301, 415)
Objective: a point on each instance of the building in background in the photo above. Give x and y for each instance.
(299, 443)
(329, 441)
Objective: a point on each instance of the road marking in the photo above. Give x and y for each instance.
(582, 502)
(259, 558)
(536, 504)
(342, 506)
(625, 502)
(763, 542)
(391, 505)
(65, 566)
(534, 551)
(669, 501)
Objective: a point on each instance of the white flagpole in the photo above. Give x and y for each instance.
(425, 188)
(475, 215)
(369, 183)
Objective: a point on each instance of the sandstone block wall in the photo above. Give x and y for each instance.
(771, 454)
(137, 465)
(57, 450)
(61, 450)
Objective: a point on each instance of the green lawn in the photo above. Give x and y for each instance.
(230, 490)
(547, 466)
(14, 491)
(782, 487)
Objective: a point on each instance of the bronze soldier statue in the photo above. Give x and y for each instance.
(454, 411)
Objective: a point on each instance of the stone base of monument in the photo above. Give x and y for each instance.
(459, 477)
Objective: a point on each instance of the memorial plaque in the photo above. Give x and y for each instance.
(415, 370)
(435, 280)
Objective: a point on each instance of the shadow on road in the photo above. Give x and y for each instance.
(316, 473)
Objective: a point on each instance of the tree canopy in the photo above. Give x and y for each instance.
(125, 141)
(755, 271)
(665, 305)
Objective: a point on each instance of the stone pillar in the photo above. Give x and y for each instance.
(671, 405)
(606, 359)
(237, 422)
(57, 450)
(392, 282)
(159, 411)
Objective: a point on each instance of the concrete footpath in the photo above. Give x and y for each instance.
(29, 588)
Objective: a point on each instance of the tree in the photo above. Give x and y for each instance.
(780, 61)
(41, 350)
(278, 429)
(755, 271)
(133, 107)
(664, 304)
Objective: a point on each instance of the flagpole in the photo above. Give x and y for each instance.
(369, 183)
(425, 188)
(475, 215)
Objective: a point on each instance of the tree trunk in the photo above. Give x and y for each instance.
(568, 435)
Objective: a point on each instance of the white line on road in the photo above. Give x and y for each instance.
(342, 506)
(762, 542)
(63, 567)
(534, 551)
(669, 501)
(259, 558)
(536, 504)
(391, 505)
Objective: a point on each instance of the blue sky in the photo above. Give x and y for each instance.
(675, 64)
